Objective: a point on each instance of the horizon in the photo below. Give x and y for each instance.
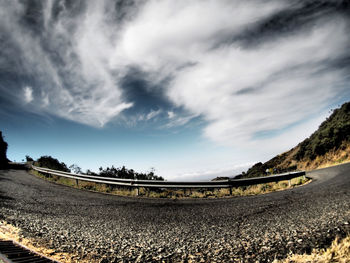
(194, 89)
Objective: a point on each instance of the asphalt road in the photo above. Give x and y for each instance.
(246, 229)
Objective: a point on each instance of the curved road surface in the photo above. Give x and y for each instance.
(246, 229)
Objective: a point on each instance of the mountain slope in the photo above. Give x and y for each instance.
(329, 145)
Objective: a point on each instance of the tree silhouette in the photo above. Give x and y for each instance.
(52, 163)
(29, 159)
(75, 169)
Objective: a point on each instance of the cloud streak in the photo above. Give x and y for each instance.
(284, 80)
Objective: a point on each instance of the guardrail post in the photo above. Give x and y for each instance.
(230, 190)
(76, 182)
(137, 191)
(290, 183)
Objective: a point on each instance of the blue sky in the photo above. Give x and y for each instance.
(194, 89)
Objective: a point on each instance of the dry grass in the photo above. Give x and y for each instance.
(289, 159)
(339, 251)
(270, 187)
(178, 193)
(332, 158)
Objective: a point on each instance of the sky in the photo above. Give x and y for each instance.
(194, 89)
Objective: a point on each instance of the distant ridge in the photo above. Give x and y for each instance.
(328, 145)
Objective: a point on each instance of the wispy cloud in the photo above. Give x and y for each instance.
(152, 114)
(67, 56)
(181, 120)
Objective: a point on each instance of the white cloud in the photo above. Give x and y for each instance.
(168, 34)
(241, 91)
(244, 91)
(28, 94)
(171, 114)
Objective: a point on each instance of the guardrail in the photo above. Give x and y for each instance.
(230, 183)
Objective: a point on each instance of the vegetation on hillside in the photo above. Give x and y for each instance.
(122, 172)
(51, 163)
(330, 144)
(332, 133)
(3, 149)
(125, 173)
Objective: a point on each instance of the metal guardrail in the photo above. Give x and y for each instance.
(230, 183)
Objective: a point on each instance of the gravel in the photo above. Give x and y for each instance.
(120, 229)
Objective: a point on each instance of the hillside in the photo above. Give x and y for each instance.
(329, 145)
(3, 150)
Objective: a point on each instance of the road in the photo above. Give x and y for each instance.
(242, 229)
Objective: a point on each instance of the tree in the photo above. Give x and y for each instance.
(52, 163)
(75, 169)
(29, 159)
